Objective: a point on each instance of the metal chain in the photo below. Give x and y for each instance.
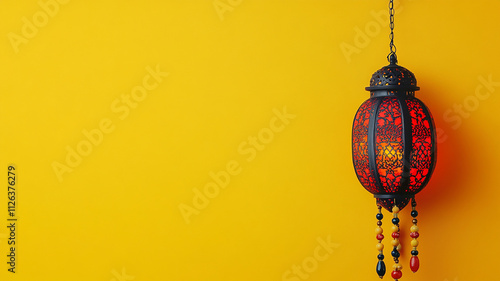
(392, 58)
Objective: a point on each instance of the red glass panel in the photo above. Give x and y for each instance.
(360, 146)
(389, 144)
(421, 158)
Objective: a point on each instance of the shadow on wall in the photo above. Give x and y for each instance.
(450, 170)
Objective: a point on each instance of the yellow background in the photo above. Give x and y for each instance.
(117, 213)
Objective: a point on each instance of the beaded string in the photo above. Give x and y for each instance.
(414, 261)
(396, 273)
(380, 247)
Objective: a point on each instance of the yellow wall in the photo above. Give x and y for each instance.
(261, 95)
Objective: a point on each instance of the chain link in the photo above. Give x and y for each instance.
(392, 58)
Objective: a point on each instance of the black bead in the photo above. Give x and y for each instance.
(414, 213)
(381, 269)
(414, 253)
(380, 216)
(395, 220)
(395, 254)
(380, 257)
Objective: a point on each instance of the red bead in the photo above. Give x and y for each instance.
(414, 234)
(414, 263)
(395, 235)
(380, 237)
(397, 274)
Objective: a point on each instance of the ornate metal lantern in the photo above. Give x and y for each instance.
(394, 150)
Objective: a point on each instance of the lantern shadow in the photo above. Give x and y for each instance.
(450, 171)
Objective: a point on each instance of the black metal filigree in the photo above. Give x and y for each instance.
(393, 77)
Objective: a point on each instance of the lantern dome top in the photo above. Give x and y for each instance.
(393, 77)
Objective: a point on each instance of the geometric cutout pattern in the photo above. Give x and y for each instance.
(360, 145)
(388, 150)
(421, 157)
(389, 144)
(393, 76)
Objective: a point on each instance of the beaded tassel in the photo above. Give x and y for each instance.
(380, 246)
(396, 273)
(414, 261)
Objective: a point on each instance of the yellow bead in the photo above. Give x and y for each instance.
(395, 209)
(378, 230)
(395, 242)
(399, 247)
(395, 228)
(380, 247)
(414, 243)
(414, 228)
(397, 266)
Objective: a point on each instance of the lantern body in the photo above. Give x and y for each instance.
(393, 139)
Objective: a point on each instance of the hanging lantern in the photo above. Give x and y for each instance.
(394, 150)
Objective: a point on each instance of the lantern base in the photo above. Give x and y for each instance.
(390, 200)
